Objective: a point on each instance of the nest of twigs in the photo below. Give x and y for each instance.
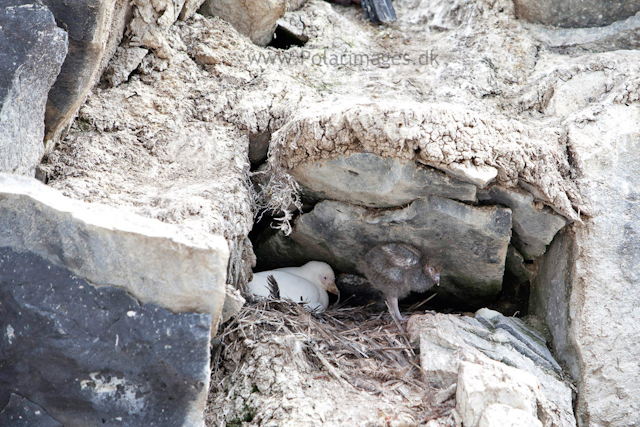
(364, 350)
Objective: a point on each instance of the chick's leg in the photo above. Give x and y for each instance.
(392, 303)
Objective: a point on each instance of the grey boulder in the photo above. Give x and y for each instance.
(94, 356)
(533, 227)
(449, 342)
(32, 50)
(375, 181)
(576, 13)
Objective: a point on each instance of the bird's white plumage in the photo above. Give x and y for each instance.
(293, 287)
(308, 284)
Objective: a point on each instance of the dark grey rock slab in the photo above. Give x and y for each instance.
(20, 412)
(95, 29)
(516, 267)
(470, 243)
(550, 298)
(32, 50)
(576, 13)
(370, 180)
(533, 227)
(94, 356)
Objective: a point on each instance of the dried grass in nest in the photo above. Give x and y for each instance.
(353, 345)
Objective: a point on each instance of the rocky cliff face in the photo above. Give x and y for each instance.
(501, 148)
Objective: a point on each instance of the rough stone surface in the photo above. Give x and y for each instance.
(481, 386)
(501, 415)
(448, 231)
(550, 297)
(95, 28)
(124, 62)
(528, 342)
(619, 35)
(533, 225)
(150, 25)
(174, 267)
(496, 96)
(576, 13)
(32, 50)
(431, 134)
(95, 356)
(19, 412)
(256, 19)
(446, 341)
(588, 282)
(259, 147)
(233, 302)
(515, 267)
(374, 181)
(154, 145)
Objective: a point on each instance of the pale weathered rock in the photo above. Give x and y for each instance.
(155, 145)
(587, 287)
(20, 412)
(501, 415)
(448, 232)
(533, 227)
(33, 49)
(482, 385)
(95, 29)
(255, 19)
(233, 302)
(295, 4)
(478, 175)
(576, 13)
(174, 267)
(448, 340)
(94, 356)
(123, 63)
(375, 181)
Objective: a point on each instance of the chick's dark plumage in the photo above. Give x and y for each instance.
(396, 269)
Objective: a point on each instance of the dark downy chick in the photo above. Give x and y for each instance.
(396, 269)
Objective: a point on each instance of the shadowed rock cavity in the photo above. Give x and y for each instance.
(469, 243)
